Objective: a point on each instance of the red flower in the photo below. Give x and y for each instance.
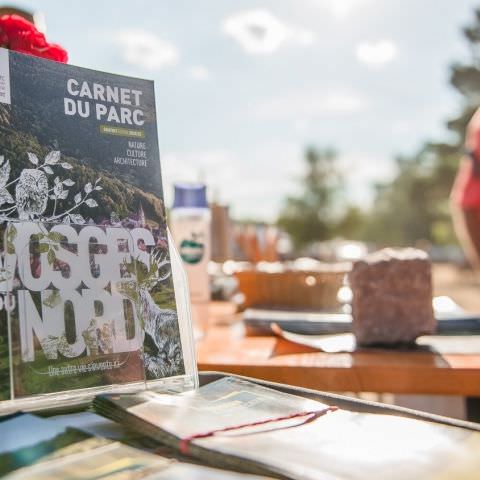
(17, 33)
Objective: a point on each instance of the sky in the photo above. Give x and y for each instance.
(243, 87)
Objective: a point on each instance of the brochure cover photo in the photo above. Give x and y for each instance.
(87, 296)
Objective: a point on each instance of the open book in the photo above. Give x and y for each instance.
(244, 426)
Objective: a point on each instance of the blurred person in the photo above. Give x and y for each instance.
(465, 195)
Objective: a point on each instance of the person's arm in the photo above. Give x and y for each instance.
(467, 228)
(466, 220)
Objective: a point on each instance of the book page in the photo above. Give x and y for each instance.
(338, 445)
(224, 403)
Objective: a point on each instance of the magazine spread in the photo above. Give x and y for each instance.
(87, 298)
(336, 445)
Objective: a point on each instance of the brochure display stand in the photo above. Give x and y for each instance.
(82, 319)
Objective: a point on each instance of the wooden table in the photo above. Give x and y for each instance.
(226, 348)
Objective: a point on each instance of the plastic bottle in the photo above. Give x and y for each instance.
(190, 226)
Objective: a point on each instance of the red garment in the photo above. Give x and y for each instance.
(17, 33)
(466, 189)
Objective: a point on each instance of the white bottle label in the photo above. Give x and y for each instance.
(192, 237)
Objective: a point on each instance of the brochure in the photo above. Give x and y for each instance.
(87, 298)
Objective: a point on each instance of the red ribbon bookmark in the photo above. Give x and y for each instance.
(312, 415)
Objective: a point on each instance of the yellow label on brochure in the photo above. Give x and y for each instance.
(121, 131)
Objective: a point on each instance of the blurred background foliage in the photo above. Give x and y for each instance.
(410, 208)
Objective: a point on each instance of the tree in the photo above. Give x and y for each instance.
(352, 224)
(401, 212)
(308, 216)
(414, 205)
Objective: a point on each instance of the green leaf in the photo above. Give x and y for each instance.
(55, 236)
(10, 248)
(12, 233)
(51, 257)
(53, 299)
(43, 247)
(36, 237)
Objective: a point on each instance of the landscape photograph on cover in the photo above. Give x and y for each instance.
(88, 283)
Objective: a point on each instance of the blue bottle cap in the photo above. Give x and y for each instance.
(190, 195)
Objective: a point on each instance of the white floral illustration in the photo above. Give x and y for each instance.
(33, 191)
(5, 196)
